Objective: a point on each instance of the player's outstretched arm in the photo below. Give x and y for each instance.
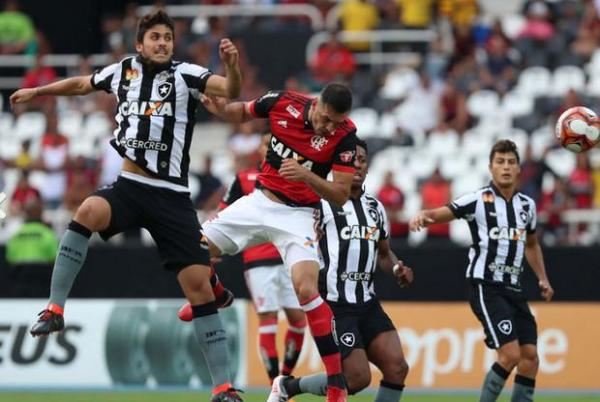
(81, 85)
(429, 216)
(535, 258)
(387, 260)
(234, 112)
(230, 85)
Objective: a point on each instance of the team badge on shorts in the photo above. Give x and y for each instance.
(505, 326)
(348, 339)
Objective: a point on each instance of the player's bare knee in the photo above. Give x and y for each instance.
(509, 358)
(396, 371)
(531, 360)
(93, 213)
(357, 380)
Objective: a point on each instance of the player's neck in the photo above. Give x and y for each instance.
(506, 192)
(355, 193)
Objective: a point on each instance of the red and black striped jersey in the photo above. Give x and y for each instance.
(264, 254)
(293, 137)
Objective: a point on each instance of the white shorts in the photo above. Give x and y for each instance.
(255, 219)
(271, 288)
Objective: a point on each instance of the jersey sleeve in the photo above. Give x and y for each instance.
(532, 225)
(345, 153)
(234, 192)
(260, 107)
(102, 78)
(195, 76)
(385, 223)
(463, 206)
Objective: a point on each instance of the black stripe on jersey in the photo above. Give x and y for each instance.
(341, 222)
(474, 228)
(489, 206)
(512, 243)
(122, 97)
(143, 128)
(364, 249)
(167, 135)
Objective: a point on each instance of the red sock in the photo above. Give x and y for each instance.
(267, 331)
(55, 308)
(215, 283)
(320, 320)
(294, 337)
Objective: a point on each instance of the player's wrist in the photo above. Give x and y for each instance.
(395, 268)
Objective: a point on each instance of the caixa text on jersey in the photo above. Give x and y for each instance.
(145, 108)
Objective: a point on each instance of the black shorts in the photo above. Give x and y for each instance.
(168, 215)
(504, 314)
(356, 325)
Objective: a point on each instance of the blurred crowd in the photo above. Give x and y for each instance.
(475, 47)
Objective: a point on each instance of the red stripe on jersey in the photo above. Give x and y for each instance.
(342, 168)
(251, 108)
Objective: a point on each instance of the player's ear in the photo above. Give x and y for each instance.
(138, 47)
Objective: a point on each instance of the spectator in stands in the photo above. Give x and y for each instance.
(537, 25)
(416, 14)
(243, 143)
(498, 72)
(333, 62)
(39, 74)
(581, 186)
(459, 12)
(434, 192)
(24, 193)
(17, 32)
(184, 40)
(453, 109)
(596, 181)
(53, 158)
(532, 174)
(392, 199)
(436, 60)
(358, 15)
(81, 182)
(23, 160)
(419, 112)
(30, 253)
(571, 99)
(211, 189)
(588, 37)
(551, 206)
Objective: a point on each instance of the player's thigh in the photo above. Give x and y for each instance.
(355, 364)
(382, 341)
(238, 226)
(262, 285)
(494, 313)
(357, 372)
(116, 205)
(285, 291)
(172, 221)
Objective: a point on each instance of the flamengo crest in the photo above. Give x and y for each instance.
(318, 142)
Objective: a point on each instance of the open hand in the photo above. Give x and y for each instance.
(228, 53)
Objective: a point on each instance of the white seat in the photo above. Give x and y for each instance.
(386, 127)
(493, 123)
(442, 142)
(10, 148)
(541, 139)
(566, 78)
(406, 182)
(512, 24)
(484, 102)
(460, 233)
(84, 146)
(30, 125)
(561, 161)
(517, 135)
(96, 125)
(70, 124)
(466, 183)
(421, 164)
(397, 83)
(593, 86)
(454, 166)
(475, 142)
(534, 81)
(517, 103)
(366, 121)
(593, 67)
(6, 124)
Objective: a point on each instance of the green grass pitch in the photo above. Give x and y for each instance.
(248, 397)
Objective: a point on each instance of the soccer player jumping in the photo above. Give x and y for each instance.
(157, 100)
(310, 138)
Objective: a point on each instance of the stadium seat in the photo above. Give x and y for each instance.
(454, 165)
(398, 83)
(541, 139)
(442, 142)
(482, 103)
(421, 164)
(561, 161)
(474, 142)
(517, 135)
(534, 81)
(406, 182)
(70, 123)
(593, 85)
(6, 124)
(467, 183)
(30, 125)
(386, 127)
(593, 67)
(517, 103)
(366, 121)
(566, 78)
(96, 125)
(512, 24)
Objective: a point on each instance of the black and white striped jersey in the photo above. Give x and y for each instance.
(499, 229)
(155, 115)
(348, 248)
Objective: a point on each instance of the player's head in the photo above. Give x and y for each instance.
(330, 109)
(361, 164)
(155, 36)
(504, 163)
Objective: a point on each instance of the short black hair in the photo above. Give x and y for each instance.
(338, 96)
(363, 144)
(503, 147)
(156, 17)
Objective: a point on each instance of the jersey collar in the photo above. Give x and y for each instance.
(496, 190)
